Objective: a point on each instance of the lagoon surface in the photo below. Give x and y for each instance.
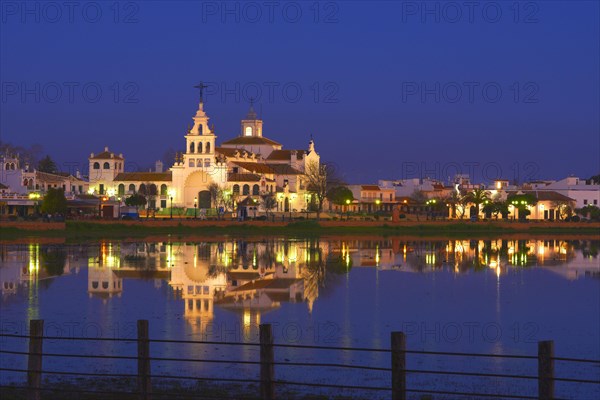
(496, 296)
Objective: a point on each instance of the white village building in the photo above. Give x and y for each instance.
(245, 167)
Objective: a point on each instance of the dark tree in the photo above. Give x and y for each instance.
(320, 178)
(53, 260)
(136, 200)
(521, 203)
(48, 165)
(339, 195)
(54, 201)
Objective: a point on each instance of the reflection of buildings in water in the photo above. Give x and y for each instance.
(270, 273)
(197, 279)
(580, 266)
(103, 282)
(111, 263)
(457, 255)
(26, 265)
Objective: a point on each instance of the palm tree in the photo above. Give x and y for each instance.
(477, 197)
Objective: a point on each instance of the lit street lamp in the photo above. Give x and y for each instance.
(347, 209)
(171, 194)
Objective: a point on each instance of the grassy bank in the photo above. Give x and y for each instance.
(139, 229)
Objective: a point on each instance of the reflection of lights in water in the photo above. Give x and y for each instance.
(34, 258)
(169, 255)
(493, 264)
(377, 255)
(430, 259)
(246, 318)
(511, 250)
(498, 271)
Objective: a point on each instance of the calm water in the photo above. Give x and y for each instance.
(495, 296)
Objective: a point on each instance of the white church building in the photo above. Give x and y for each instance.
(245, 167)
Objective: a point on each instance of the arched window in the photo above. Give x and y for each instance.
(163, 190)
(199, 147)
(143, 189)
(106, 165)
(255, 190)
(153, 191)
(208, 147)
(207, 163)
(192, 147)
(236, 189)
(121, 189)
(200, 129)
(12, 166)
(192, 164)
(246, 190)
(132, 188)
(248, 131)
(7, 166)
(96, 165)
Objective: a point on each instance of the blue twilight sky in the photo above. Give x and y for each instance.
(387, 89)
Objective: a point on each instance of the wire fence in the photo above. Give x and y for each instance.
(141, 383)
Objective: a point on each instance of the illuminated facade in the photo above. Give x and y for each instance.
(245, 167)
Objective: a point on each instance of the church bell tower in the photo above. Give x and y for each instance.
(251, 125)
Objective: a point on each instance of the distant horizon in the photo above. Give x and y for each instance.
(412, 168)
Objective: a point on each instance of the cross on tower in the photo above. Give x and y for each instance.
(201, 86)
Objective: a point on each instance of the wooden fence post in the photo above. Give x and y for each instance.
(267, 368)
(34, 362)
(398, 340)
(144, 381)
(546, 370)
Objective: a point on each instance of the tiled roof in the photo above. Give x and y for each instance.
(369, 187)
(144, 176)
(3, 186)
(281, 155)
(106, 155)
(56, 177)
(232, 177)
(230, 152)
(544, 195)
(255, 167)
(284, 169)
(252, 140)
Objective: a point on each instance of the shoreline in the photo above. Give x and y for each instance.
(102, 229)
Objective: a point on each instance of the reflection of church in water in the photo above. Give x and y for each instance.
(246, 277)
(251, 277)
